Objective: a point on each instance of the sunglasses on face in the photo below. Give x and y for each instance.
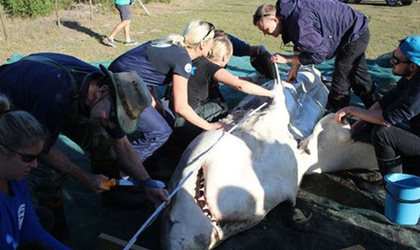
(395, 60)
(210, 30)
(25, 157)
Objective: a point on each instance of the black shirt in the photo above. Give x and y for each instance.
(402, 103)
(201, 79)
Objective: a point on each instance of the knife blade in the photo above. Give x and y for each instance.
(128, 182)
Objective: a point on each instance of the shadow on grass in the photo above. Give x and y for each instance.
(76, 26)
(370, 3)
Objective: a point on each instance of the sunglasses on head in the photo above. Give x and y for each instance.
(25, 157)
(257, 18)
(395, 60)
(210, 30)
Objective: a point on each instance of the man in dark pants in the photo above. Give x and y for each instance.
(321, 30)
(396, 148)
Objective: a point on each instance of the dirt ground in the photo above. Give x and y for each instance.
(80, 30)
(81, 34)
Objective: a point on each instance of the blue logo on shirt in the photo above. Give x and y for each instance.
(193, 70)
(11, 241)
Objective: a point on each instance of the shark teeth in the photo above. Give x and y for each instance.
(200, 198)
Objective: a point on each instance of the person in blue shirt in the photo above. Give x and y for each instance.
(397, 146)
(22, 139)
(123, 7)
(321, 30)
(159, 63)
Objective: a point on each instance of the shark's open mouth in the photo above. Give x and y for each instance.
(200, 197)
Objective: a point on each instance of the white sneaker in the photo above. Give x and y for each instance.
(130, 43)
(110, 42)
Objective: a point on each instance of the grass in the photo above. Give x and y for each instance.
(80, 36)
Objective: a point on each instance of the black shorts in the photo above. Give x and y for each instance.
(124, 10)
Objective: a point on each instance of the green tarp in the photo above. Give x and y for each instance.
(340, 214)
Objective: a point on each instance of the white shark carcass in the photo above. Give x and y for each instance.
(244, 174)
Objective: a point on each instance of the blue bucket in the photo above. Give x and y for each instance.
(402, 201)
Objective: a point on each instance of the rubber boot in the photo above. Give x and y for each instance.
(387, 166)
(411, 166)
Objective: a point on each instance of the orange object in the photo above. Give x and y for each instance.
(109, 183)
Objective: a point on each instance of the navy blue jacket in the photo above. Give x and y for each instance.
(46, 91)
(319, 28)
(240, 48)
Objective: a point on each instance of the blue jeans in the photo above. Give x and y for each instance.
(153, 131)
